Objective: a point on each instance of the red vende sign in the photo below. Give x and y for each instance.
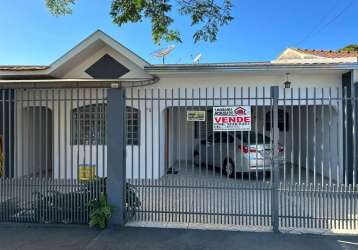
(237, 118)
(232, 119)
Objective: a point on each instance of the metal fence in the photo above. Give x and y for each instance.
(53, 154)
(324, 195)
(296, 168)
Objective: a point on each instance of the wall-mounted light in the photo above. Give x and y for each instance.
(287, 83)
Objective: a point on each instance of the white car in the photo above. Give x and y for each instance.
(236, 152)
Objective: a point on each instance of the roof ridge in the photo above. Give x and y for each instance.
(327, 52)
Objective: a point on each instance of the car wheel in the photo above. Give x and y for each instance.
(229, 168)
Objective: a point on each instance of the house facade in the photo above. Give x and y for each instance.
(158, 132)
(54, 124)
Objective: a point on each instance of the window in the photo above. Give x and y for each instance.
(89, 125)
(282, 124)
(132, 126)
(253, 137)
(221, 137)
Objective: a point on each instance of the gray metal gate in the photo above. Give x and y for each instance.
(53, 153)
(323, 147)
(297, 168)
(290, 171)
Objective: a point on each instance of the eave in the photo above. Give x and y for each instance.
(245, 67)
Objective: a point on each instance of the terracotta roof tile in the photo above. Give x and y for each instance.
(328, 53)
(22, 67)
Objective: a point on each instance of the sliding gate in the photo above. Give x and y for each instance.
(290, 170)
(183, 172)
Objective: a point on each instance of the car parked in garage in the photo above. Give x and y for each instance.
(237, 152)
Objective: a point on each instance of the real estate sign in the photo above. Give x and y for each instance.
(195, 116)
(237, 118)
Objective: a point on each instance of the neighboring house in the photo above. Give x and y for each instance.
(300, 56)
(99, 59)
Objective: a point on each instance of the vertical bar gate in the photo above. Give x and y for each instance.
(52, 153)
(287, 172)
(182, 172)
(295, 168)
(319, 189)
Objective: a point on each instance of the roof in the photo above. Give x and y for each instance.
(328, 53)
(291, 58)
(310, 56)
(245, 67)
(22, 67)
(94, 39)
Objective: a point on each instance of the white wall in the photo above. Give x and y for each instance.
(322, 138)
(313, 140)
(66, 157)
(143, 160)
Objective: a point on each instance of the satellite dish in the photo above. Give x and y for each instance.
(162, 53)
(197, 58)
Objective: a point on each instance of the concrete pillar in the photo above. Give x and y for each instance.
(347, 127)
(355, 76)
(275, 175)
(350, 126)
(116, 153)
(354, 174)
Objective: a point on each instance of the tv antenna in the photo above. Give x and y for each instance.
(162, 53)
(197, 58)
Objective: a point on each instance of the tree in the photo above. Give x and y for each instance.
(349, 48)
(208, 15)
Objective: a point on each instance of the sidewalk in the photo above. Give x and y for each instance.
(53, 238)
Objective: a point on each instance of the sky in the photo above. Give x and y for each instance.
(262, 29)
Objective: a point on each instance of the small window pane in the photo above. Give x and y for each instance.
(89, 125)
(132, 126)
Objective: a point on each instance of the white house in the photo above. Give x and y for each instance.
(317, 133)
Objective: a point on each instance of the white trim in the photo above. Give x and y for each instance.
(90, 40)
(96, 36)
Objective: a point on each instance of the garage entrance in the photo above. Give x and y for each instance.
(305, 139)
(286, 171)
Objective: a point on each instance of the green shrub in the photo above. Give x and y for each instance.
(100, 212)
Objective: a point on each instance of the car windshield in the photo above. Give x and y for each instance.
(246, 137)
(253, 137)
